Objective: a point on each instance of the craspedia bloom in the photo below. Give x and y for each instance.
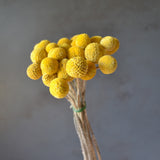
(41, 44)
(82, 40)
(64, 40)
(33, 71)
(77, 67)
(38, 54)
(59, 88)
(62, 70)
(93, 52)
(66, 46)
(49, 66)
(57, 53)
(46, 79)
(91, 71)
(111, 44)
(107, 64)
(96, 39)
(74, 37)
(51, 46)
(75, 52)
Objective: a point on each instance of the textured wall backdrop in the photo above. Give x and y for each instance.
(123, 108)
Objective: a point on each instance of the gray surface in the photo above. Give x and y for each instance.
(124, 108)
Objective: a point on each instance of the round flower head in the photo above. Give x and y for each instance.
(41, 44)
(51, 46)
(75, 52)
(64, 40)
(96, 39)
(110, 44)
(49, 66)
(77, 67)
(74, 37)
(33, 71)
(91, 71)
(62, 71)
(82, 40)
(46, 79)
(59, 88)
(66, 46)
(57, 53)
(93, 52)
(38, 54)
(107, 64)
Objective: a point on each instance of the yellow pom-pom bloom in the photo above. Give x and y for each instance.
(33, 71)
(93, 52)
(46, 79)
(51, 46)
(91, 71)
(59, 88)
(38, 54)
(57, 53)
(110, 44)
(41, 44)
(77, 67)
(49, 66)
(64, 40)
(96, 39)
(66, 46)
(107, 64)
(74, 37)
(62, 71)
(82, 40)
(75, 52)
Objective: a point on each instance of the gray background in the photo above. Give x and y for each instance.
(123, 108)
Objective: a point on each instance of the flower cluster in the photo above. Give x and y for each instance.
(77, 57)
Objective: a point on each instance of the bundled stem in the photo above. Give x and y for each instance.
(76, 97)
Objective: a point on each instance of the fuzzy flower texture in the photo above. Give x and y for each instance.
(78, 57)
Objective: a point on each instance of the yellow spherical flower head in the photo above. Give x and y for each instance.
(38, 54)
(62, 70)
(77, 67)
(82, 40)
(51, 46)
(111, 44)
(75, 52)
(107, 64)
(66, 46)
(59, 88)
(46, 79)
(93, 52)
(57, 53)
(49, 66)
(41, 44)
(33, 71)
(96, 39)
(74, 37)
(91, 71)
(64, 40)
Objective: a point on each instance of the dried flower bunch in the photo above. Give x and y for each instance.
(65, 67)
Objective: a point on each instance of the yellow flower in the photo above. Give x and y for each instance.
(66, 46)
(46, 79)
(57, 53)
(91, 71)
(59, 88)
(77, 67)
(38, 54)
(64, 40)
(96, 39)
(41, 44)
(74, 37)
(33, 71)
(111, 44)
(49, 66)
(82, 40)
(93, 52)
(51, 46)
(107, 64)
(75, 52)
(62, 70)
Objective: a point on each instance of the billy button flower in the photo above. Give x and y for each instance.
(42, 44)
(46, 79)
(51, 46)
